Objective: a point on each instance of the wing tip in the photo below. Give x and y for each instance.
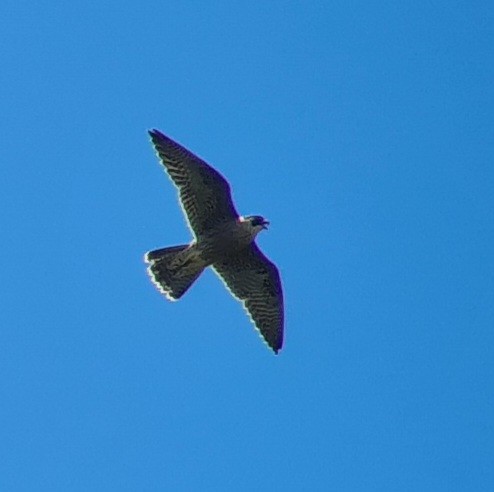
(155, 134)
(275, 348)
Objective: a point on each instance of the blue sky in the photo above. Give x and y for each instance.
(363, 131)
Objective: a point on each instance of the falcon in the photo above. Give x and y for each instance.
(223, 240)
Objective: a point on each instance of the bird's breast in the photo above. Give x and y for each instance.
(223, 241)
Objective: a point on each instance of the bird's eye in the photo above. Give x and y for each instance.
(257, 221)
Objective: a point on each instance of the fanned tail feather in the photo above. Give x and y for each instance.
(172, 271)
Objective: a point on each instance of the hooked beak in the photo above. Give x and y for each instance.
(265, 224)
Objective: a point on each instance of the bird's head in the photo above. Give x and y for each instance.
(257, 223)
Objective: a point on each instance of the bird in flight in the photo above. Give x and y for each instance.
(222, 239)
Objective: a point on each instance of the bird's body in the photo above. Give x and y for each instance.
(223, 240)
(226, 238)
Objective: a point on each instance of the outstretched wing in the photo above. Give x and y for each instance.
(255, 281)
(203, 192)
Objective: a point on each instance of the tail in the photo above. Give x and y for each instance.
(173, 270)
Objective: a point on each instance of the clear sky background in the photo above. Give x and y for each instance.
(363, 131)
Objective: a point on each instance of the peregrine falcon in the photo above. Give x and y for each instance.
(222, 239)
